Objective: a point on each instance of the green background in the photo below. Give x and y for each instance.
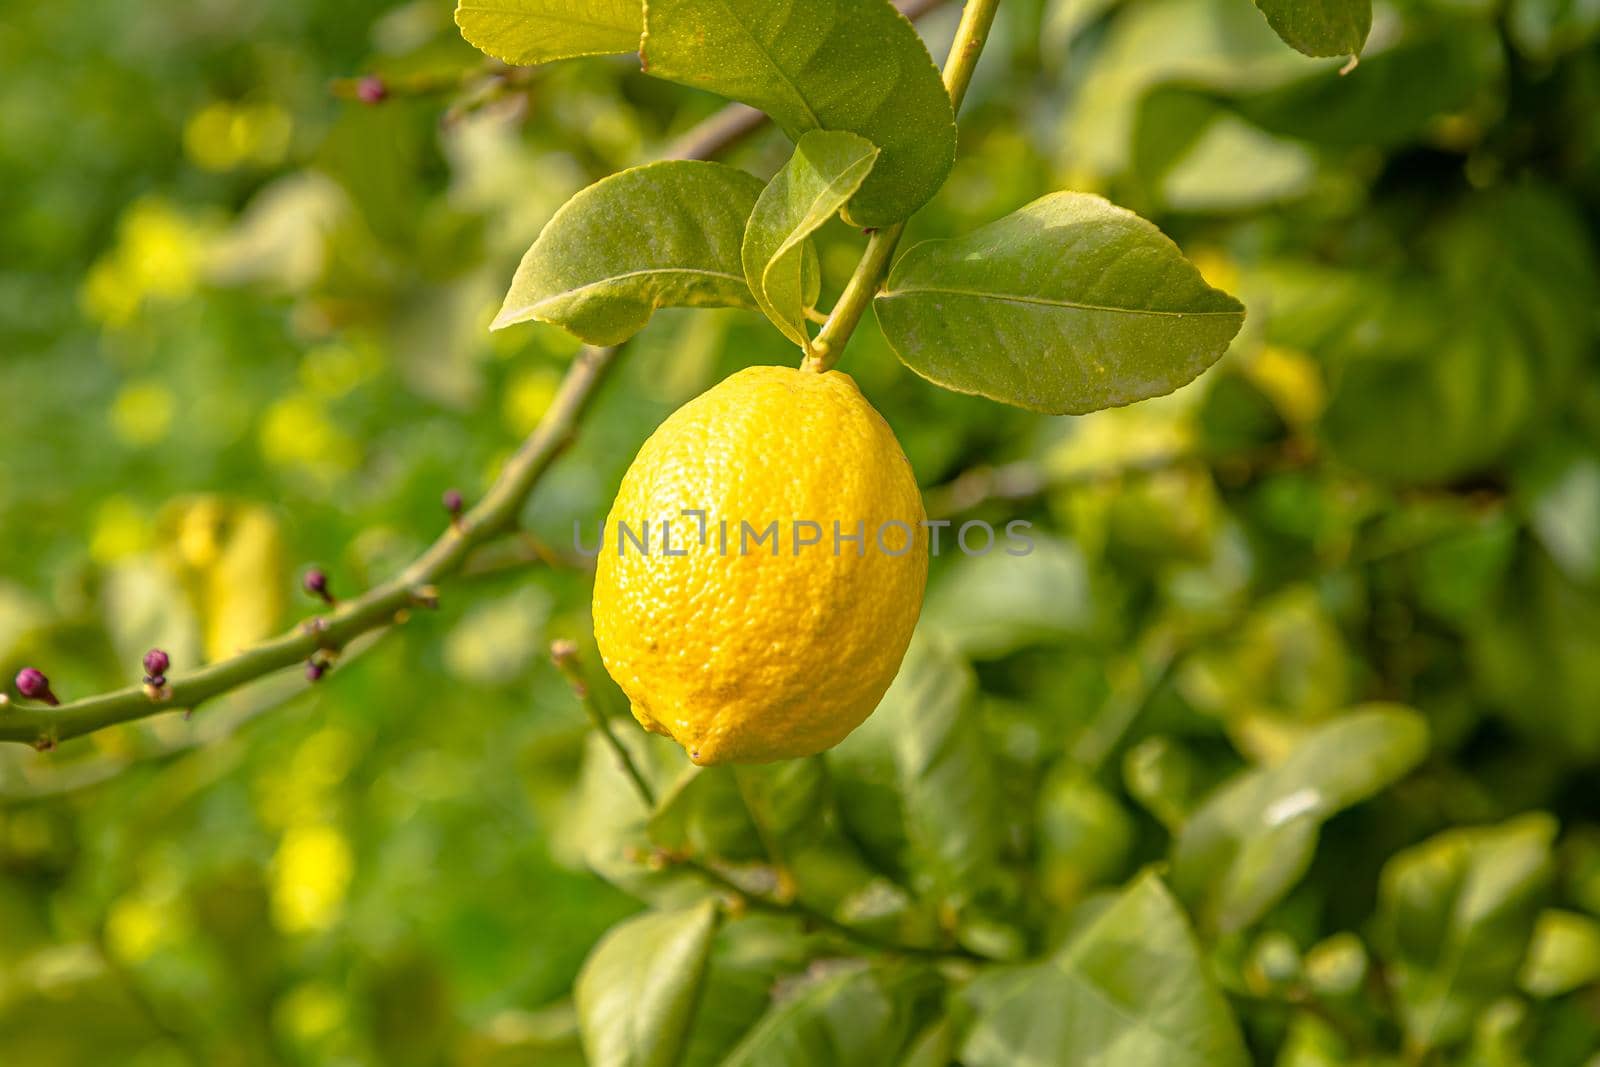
(243, 330)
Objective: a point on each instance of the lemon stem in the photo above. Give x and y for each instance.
(977, 17)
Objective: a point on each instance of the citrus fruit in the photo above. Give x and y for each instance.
(762, 568)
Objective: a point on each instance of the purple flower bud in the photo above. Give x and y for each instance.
(156, 662)
(32, 684)
(316, 583)
(453, 502)
(315, 671)
(371, 90)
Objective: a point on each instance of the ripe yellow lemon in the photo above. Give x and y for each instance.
(762, 568)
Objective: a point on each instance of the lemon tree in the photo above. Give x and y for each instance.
(994, 532)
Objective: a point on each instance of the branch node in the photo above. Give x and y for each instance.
(426, 596)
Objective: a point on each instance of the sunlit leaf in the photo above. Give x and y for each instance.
(856, 1016)
(526, 32)
(854, 65)
(1457, 913)
(1320, 27)
(1068, 305)
(662, 235)
(1253, 839)
(1130, 990)
(1564, 954)
(637, 991)
(827, 168)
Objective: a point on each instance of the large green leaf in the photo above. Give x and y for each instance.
(1456, 915)
(1069, 305)
(827, 168)
(636, 993)
(1131, 990)
(1253, 840)
(526, 32)
(857, 1016)
(749, 957)
(1320, 27)
(947, 776)
(662, 235)
(854, 65)
(917, 782)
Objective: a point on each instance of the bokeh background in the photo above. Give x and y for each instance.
(243, 330)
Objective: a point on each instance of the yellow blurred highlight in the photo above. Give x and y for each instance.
(297, 432)
(311, 874)
(1217, 268)
(120, 530)
(529, 397)
(157, 256)
(311, 1011)
(142, 412)
(223, 135)
(136, 928)
(331, 371)
(298, 792)
(1292, 380)
(230, 559)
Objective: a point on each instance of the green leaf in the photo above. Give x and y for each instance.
(827, 168)
(1194, 154)
(857, 1016)
(990, 605)
(1546, 29)
(662, 235)
(946, 773)
(1085, 835)
(1130, 990)
(527, 32)
(1320, 27)
(1069, 305)
(1253, 840)
(1560, 488)
(1456, 914)
(1532, 653)
(703, 814)
(854, 65)
(637, 990)
(748, 958)
(1564, 955)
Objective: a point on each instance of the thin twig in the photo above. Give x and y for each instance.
(565, 655)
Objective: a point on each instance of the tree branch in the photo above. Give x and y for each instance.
(386, 604)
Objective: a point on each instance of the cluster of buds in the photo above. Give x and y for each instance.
(156, 663)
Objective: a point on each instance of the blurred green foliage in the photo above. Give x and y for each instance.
(243, 328)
